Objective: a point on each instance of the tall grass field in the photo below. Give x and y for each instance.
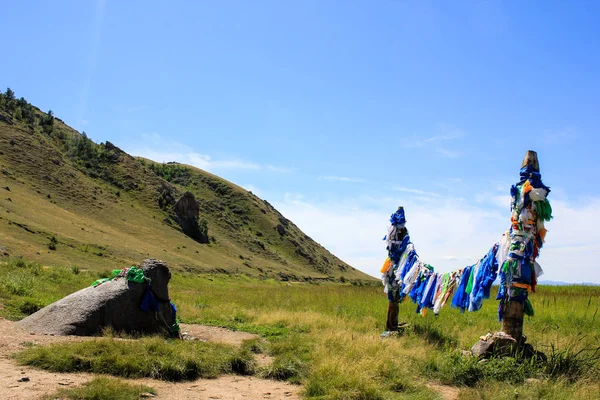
(326, 337)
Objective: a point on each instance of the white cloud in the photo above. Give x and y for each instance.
(353, 228)
(448, 233)
(448, 153)
(573, 242)
(501, 201)
(157, 149)
(447, 133)
(342, 179)
(559, 136)
(414, 191)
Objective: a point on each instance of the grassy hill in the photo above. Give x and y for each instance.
(65, 200)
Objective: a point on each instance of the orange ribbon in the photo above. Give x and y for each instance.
(386, 265)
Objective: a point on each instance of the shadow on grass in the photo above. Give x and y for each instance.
(433, 335)
(238, 324)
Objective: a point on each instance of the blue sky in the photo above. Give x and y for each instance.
(338, 112)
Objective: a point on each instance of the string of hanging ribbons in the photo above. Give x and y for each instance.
(512, 258)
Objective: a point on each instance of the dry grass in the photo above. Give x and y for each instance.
(102, 388)
(326, 337)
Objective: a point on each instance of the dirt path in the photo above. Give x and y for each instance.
(215, 334)
(228, 387)
(447, 392)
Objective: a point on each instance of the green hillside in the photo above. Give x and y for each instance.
(65, 200)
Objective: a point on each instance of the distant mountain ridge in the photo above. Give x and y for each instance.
(560, 283)
(103, 208)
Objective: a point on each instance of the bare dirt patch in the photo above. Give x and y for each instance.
(41, 383)
(13, 339)
(226, 387)
(447, 392)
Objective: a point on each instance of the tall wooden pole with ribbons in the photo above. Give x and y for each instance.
(512, 323)
(512, 258)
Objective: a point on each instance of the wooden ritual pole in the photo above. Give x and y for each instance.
(512, 323)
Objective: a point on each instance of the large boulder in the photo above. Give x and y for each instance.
(114, 304)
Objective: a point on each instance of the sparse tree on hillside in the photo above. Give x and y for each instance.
(9, 102)
(48, 122)
(203, 227)
(50, 118)
(18, 114)
(10, 95)
(84, 149)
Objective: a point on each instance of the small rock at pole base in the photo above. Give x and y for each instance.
(494, 344)
(500, 344)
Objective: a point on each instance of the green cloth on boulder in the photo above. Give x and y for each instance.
(134, 274)
(100, 281)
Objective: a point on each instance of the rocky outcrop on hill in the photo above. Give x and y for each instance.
(115, 304)
(186, 214)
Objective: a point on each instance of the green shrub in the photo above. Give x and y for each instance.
(292, 355)
(331, 384)
(572, 363)
(256, 346)
(287, 367)
(21, 263)
(243, 362)
(30, 306)
(203, 226)
(172, 172)
(454, 369)
(53, 243)
(18, 283)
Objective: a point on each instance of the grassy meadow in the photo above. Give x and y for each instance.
(325, 337)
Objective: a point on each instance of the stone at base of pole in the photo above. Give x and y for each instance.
(499, 344)
(512, 324)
